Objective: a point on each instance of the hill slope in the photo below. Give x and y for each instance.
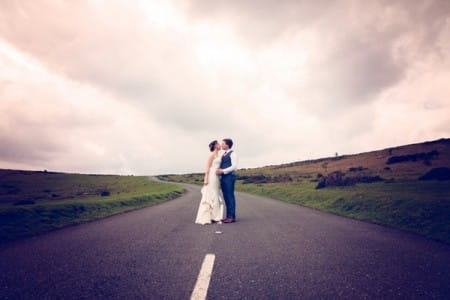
(32, 202)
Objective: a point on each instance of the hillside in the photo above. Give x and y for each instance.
(381, 162)
(386, 186)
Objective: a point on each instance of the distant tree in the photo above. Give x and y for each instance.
(336, 154)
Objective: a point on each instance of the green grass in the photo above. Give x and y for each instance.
(419, 207)
(78, 199)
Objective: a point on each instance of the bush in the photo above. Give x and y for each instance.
(24, 202)
(258, 179)
(425, 156)
(105, 193)
(356, 169)
(437, 174)
(338, 178)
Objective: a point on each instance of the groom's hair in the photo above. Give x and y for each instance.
(229, 142)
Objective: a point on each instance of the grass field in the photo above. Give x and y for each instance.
(397, 198)
(33, 202)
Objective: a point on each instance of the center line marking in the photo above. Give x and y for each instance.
(202, 284)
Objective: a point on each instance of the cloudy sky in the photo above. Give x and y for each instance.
(142, 87)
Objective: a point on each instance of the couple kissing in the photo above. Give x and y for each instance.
(218, 188)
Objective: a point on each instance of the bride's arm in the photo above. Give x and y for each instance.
(208, 166)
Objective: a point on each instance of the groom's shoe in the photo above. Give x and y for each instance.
(229, 220)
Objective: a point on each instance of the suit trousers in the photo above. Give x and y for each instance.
(227, 183)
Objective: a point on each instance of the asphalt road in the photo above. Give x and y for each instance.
(274, 251)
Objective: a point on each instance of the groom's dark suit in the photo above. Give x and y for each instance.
(227, 182)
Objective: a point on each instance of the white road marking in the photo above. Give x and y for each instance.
(202, 284)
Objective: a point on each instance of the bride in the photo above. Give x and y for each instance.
(211, 207)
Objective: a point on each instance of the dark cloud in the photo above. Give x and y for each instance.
(261, 22)
(359, 51)
(267, 19)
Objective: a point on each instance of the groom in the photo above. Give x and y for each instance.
(228, 167)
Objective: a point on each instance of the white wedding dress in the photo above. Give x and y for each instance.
(211, 205)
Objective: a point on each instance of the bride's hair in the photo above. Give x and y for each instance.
(212, 145)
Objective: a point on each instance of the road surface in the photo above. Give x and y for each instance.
(275, 251)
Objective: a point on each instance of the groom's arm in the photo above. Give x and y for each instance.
(234, 162)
